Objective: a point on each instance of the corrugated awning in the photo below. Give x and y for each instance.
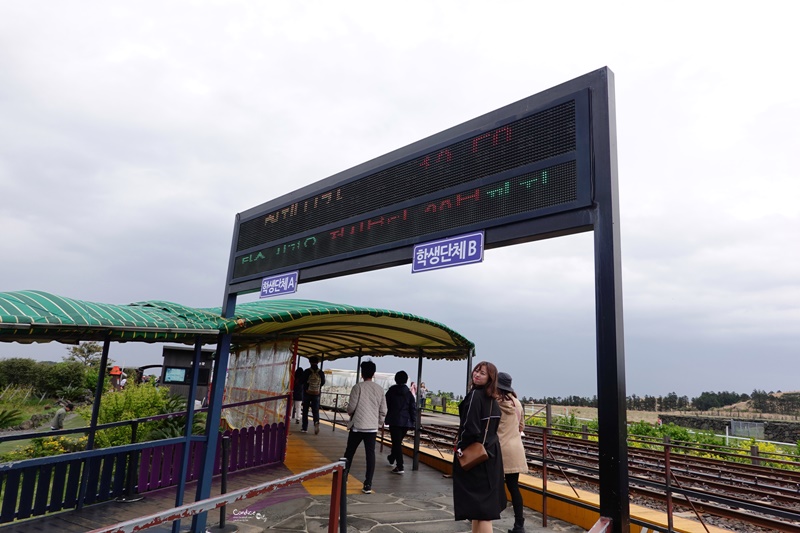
(332, 330)
(327, 330)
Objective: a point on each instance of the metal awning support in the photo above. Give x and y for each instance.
(187, 445)
(418, 421)
(98, 395)
(214, 414)
(469, 370)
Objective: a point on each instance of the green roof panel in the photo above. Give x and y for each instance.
(324, 329)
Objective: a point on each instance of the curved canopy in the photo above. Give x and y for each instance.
(327, 330)
(331, 331)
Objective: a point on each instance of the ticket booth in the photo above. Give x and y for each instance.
(177, 371)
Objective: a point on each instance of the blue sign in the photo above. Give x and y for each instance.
(280, 284)
(453, 251)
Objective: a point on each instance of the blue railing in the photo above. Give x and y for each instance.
(34, 487)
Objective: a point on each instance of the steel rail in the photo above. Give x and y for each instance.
(578, 459)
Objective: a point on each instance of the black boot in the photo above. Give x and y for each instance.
(518, 526)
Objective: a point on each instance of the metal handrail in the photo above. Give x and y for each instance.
(209, 504)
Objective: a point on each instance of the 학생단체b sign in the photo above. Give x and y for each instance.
(450, 252)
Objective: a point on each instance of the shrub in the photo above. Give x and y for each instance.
(175, 427)
(51, 378)
(45, 447)
(10, 417)
(139, 401)
(536, 421)
(676, 433)
(643, 429)
(72, 393)
(17, 371)
(568, 426)
(90, 379)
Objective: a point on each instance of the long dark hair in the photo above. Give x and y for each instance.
(491, 384)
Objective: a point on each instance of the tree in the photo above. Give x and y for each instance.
(87, 353)
(649, 403)
(707, 400)
(683, 402)
(669, 402)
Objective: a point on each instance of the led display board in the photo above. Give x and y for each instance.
(530, 159)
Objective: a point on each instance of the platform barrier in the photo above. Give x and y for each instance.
(209, 504)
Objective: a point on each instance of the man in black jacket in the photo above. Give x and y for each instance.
(313, 381)
(401, 415)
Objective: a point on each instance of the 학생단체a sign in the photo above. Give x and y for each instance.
(280, 284)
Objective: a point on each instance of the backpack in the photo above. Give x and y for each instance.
(314, 383)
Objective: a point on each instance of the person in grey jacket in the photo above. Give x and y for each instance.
(58, 420)
(401, 416)
(367, 410)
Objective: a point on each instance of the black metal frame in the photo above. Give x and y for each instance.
(596, 155)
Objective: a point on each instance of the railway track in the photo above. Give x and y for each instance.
(728, 493)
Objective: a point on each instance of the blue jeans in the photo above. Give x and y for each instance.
(309, 400)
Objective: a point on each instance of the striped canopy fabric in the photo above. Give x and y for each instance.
(327, 330)
(331, 331)
(36, 316)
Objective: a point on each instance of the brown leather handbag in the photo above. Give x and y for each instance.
(475, 453)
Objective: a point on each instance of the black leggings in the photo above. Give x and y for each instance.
(512, 482)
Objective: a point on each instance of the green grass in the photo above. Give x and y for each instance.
(73, 421)
(30, 407)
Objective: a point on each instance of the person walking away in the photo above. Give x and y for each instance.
(510, 432)
(422, 395)
(367, 409)
(58, 419)
(401, 415)
(313, 381)
(297, 394)
(478, 494)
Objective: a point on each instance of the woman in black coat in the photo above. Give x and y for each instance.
(479, 495)
(401, 415)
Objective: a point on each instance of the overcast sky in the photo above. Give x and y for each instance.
(132, 133)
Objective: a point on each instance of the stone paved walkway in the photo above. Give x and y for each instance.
(382, 513)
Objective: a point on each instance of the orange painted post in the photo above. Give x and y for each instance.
(336, 501)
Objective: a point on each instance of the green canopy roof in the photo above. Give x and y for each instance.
(327, 330)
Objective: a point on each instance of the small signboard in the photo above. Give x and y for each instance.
(280, 284)
(450, 252)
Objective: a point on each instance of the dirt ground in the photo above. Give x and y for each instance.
(590, 413)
